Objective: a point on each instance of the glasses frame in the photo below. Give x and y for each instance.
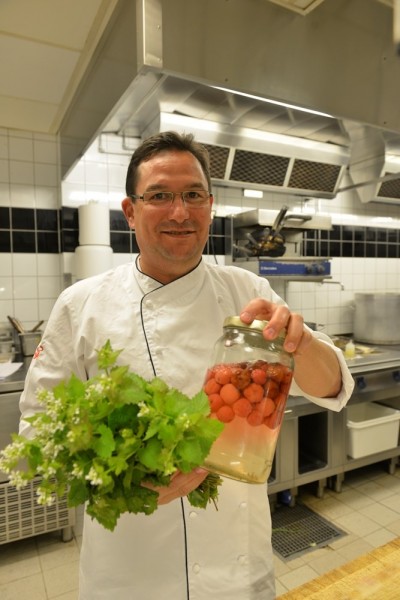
(164, 204)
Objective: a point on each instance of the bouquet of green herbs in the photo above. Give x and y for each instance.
(98, 441)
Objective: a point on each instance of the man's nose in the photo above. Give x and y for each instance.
(178, 207)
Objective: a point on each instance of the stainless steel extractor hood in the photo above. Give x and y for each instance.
(374, 165)
(246, 144)
(227, 74)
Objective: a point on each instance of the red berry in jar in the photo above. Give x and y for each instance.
(242, 407)
(229, 393)
(225, 414)
(223, 375)
(211, 387)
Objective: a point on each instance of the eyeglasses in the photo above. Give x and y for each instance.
(192, 198)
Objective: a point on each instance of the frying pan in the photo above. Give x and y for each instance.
(268, 242)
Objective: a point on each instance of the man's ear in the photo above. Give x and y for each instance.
(128, 208)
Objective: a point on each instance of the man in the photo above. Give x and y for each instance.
(166, 311)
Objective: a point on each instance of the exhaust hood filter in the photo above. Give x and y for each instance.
(246, 157)
(219, 156)
(389, 189)
(273, 171)
(254, 167)
(309, 175)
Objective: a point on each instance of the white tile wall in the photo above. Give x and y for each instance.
(29, 284)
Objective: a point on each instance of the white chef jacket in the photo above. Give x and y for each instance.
(179, 552)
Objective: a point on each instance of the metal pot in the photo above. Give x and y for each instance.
(376, 317)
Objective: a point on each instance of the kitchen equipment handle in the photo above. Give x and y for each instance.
(16, 324)
(37, 326)
(277, 226)
(302, 218)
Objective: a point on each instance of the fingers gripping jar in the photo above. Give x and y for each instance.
(247, 387)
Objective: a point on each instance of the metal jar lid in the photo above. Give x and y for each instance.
(256, 325)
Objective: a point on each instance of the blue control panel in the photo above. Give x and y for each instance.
(317, 268)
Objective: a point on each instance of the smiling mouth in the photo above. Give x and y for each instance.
(178, 233)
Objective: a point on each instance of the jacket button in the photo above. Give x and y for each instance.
(242, 559)
(193, 515)
(196, 568)
(243, 505)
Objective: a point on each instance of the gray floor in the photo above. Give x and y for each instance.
(368, 509)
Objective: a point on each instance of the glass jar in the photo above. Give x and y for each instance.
(247, 387)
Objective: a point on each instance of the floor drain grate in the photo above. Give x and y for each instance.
(297, 529)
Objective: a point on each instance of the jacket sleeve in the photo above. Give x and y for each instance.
(56, 359)
(339, 401)
(342, 398)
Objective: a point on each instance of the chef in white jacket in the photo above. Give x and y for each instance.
(166, 310)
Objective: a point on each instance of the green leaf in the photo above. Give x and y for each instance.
(149, 455)
(103, 442)
(73, 389)
(142, 499)
(206, 492)
(105, 512)
(78, 493)
(107, 357)
(199, 404)
(117, 464)
(190, 451)
(168, 433)
(123, 416)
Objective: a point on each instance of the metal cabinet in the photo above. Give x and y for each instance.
(312, 447)
(20, 515)
(309, 449)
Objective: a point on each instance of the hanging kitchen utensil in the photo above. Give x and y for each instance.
(16, 324)
(274, 244)
(36, 326)
(255, 241)
(268, 242)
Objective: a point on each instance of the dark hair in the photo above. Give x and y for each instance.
(168, 140)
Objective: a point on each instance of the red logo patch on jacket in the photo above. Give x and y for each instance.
(38, 351)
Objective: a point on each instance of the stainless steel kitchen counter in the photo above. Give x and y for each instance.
(15, 382)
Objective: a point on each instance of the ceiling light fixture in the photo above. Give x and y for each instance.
(269, 101)
(248, 193)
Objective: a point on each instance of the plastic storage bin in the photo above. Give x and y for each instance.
(371, 428)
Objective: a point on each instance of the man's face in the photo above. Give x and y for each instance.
(171, 239)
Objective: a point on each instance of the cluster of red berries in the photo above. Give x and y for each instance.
(255, 391)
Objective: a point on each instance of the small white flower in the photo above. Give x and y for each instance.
(93, 477)
(77, 471)
(17, 480)
(44, 497)
(144, 409)
(184, 420)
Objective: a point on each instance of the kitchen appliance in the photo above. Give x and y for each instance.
(263, 255)
(269, 242)
(295, 269)
(376, 317)
(20, 515)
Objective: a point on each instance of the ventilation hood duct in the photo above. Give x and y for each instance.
(245, 157)
(374, 167)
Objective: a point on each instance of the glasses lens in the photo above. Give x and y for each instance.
(158, 198)
(195, 197)
(190, 198)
